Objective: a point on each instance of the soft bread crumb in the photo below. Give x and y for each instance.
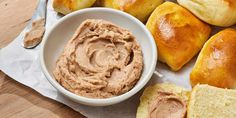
(211, 102)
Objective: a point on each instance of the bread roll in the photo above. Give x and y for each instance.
(216, 63)
(68, 6)
(150, 95)
(179, 35)
(215, 12)
(211, 102)
(140, 9)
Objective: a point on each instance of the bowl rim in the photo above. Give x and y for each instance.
(103, 101)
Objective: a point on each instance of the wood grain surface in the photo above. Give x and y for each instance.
(16, 100)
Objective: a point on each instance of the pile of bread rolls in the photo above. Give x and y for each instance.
(180, 35)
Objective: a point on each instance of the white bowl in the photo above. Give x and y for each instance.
(55, 40)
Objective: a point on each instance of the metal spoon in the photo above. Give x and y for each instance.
(39, 14)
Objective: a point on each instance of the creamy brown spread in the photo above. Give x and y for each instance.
(34, 36)
(167, 105)
(102, 60)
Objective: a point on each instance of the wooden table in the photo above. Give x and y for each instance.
(16, 100)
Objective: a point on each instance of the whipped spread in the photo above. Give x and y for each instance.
(34, 36)
(101, 60)
(167, 105)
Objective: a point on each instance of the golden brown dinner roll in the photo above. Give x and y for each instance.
(179, 35)
(215, 12)
(163, 101)
(140, 9)
(68, 6)
(216, 63)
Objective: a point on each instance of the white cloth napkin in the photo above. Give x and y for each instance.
(23, 66)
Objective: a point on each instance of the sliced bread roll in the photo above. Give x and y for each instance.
(211, 102)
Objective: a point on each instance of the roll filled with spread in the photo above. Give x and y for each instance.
(101, 60)
(163, 101)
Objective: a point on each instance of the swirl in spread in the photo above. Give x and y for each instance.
(167, 105)
(102, 60)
